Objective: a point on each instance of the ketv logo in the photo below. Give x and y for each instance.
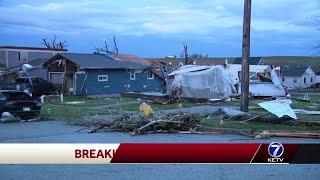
(275, 150)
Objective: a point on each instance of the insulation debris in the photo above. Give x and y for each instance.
(146, 110)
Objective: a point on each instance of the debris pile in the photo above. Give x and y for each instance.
(231, 114)
(139, 123)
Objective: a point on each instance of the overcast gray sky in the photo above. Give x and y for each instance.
(152, 28)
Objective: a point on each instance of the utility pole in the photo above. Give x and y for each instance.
(245, 56)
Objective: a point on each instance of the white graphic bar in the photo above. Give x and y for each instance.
(48, 153)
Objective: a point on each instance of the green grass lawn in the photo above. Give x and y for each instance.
(91, 107)
(75, 112)
(135, 106)
(257, 125)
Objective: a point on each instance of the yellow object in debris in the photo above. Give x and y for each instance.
(146, 110)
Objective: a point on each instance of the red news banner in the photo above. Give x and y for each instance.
(217, 153)
(274, 152)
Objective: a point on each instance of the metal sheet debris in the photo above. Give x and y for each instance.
(280, 108)
(303, 111)
(232, 113)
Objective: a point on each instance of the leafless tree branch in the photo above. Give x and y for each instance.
(54, 43)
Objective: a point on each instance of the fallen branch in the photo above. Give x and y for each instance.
(95, 129)
(155, 122)
(81, 129)
(254, 118)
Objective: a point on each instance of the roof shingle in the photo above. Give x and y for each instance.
(95, 61)
(293, 70)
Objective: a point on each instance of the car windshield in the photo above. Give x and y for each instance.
(16, 95)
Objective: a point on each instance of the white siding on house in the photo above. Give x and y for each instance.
(318, 79)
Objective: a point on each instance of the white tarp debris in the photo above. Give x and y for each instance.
(303, 111)
(213, 82)
(275, 79)
(188, 68)
(266, 89)
(279, 107)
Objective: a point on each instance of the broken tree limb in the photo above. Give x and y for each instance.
(155, 122)
(81, 129)
(95, 129)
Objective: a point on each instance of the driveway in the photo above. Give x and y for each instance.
(59, 132)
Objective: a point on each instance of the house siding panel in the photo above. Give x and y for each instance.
(119, 82)
(13, 57)
(39, 55)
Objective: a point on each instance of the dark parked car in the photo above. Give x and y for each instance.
(37, 86)
(19, 104)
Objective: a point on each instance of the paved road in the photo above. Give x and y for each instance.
(55, 131)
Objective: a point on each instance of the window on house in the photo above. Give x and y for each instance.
(311, 80)
(283, 79)
(132, 75)
(294, 80)
(22, 56)
(103, 77)
(150, 74)
(305, 80)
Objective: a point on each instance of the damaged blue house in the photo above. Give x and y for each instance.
(99, 74)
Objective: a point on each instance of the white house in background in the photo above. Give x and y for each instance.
(316, 70)
(297, 76)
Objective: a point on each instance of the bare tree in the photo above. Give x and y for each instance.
(54, 43)
(115, 45)
(185, 51)
(106, 49)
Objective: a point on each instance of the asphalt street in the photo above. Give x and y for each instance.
(60, 132)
